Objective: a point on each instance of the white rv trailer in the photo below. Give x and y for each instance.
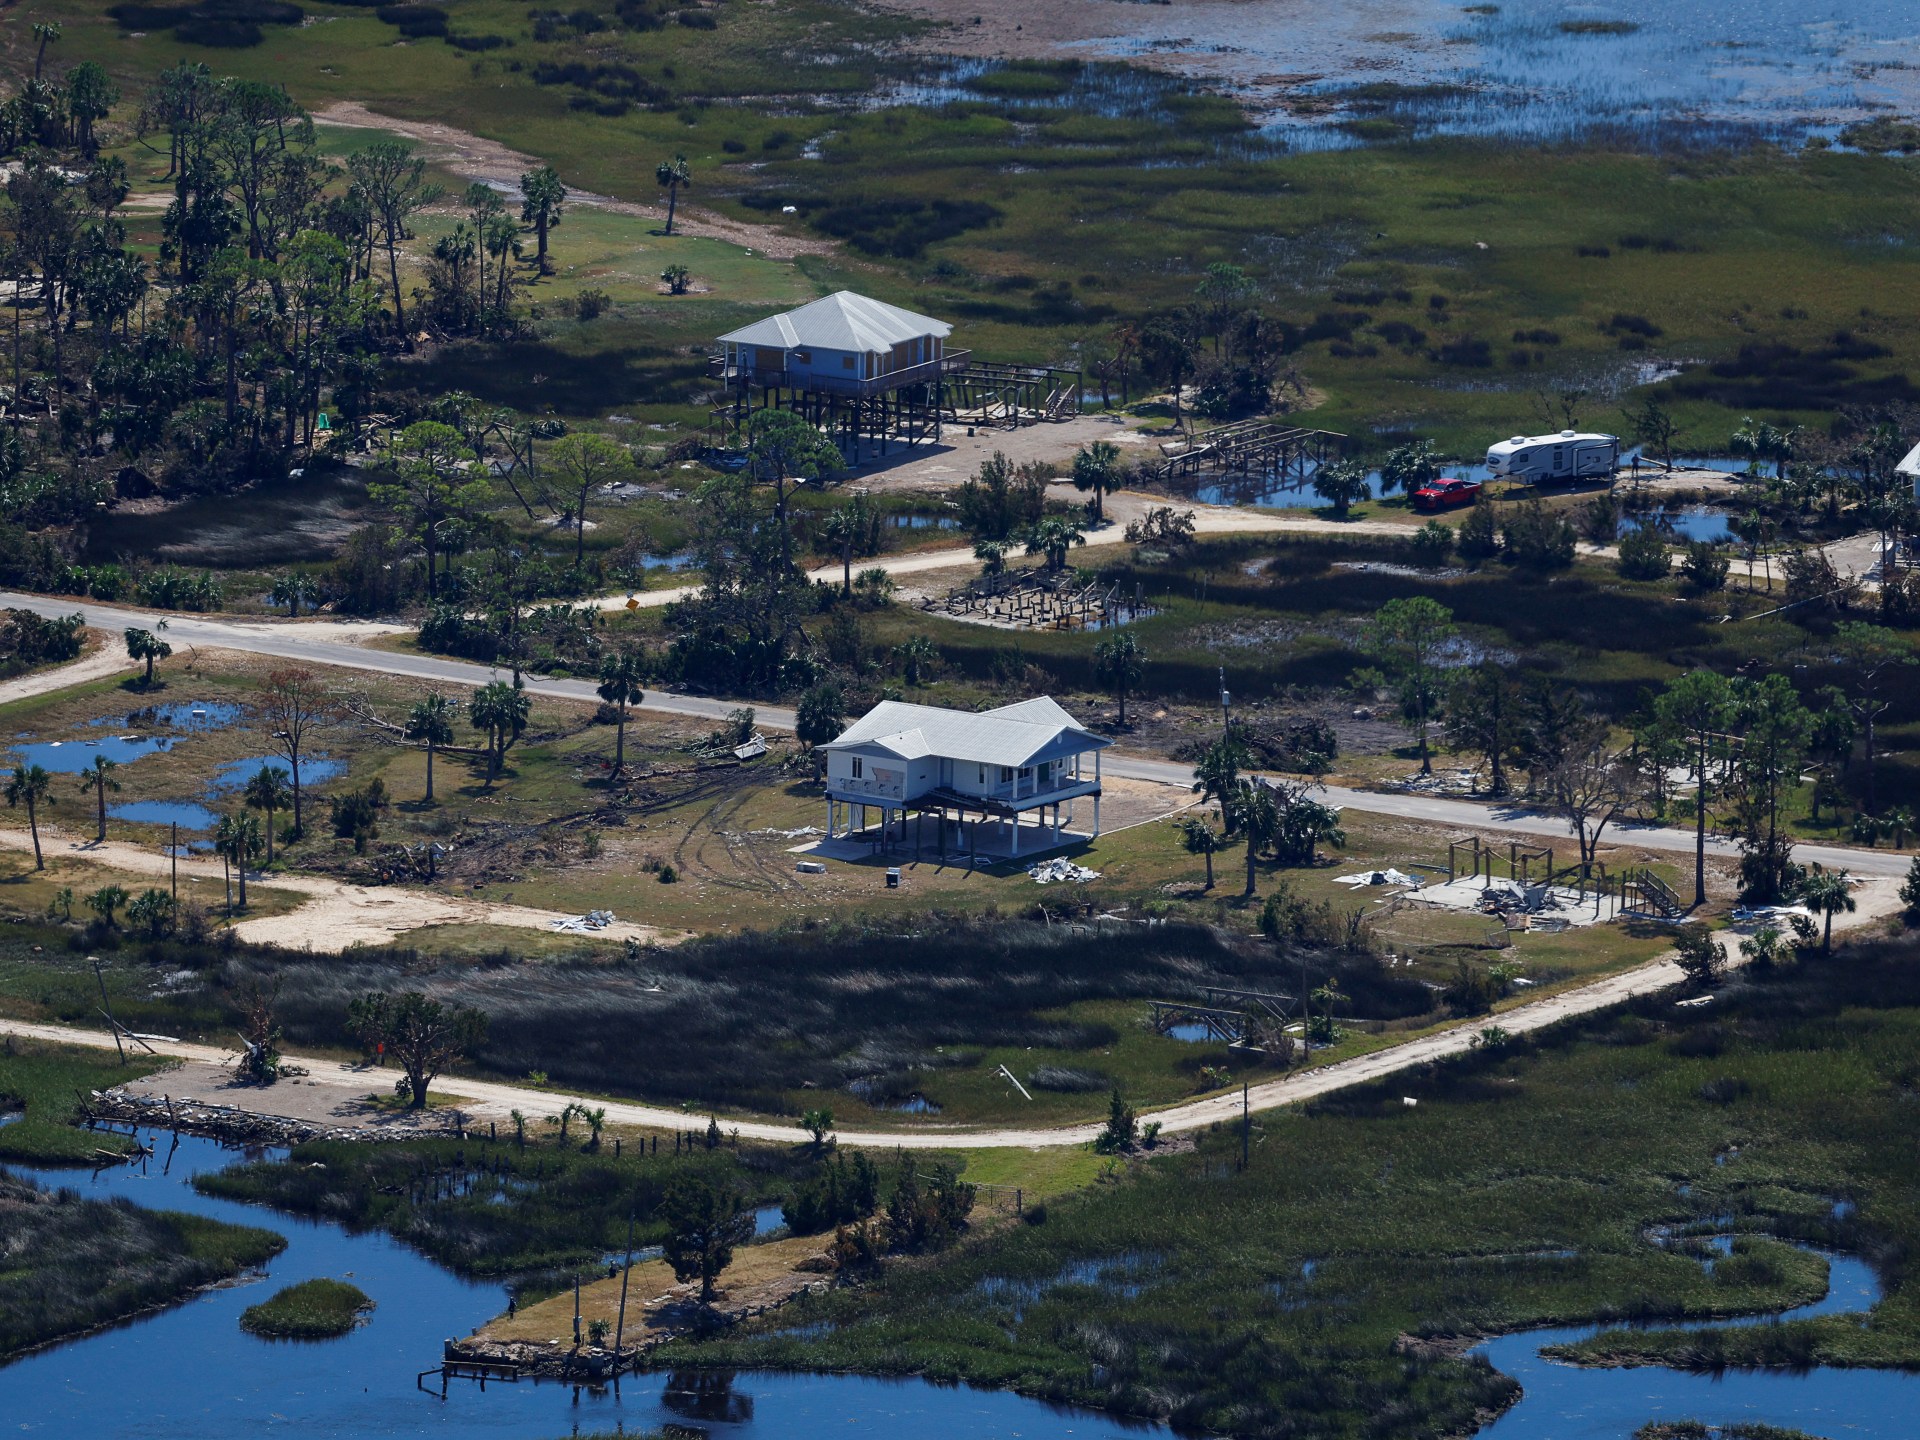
(1570, 455)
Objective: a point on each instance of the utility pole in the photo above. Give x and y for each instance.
(106, 1007)
(620, 1328)
(174, 851)
(1226, 704)
(1246, 1123)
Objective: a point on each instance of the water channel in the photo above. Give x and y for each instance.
(190, 1372)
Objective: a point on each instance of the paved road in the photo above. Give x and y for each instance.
(341, 644)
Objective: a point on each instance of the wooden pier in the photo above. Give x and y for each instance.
(1247, 447)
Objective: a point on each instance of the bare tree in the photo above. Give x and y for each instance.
(293, 703)
(1591, 788)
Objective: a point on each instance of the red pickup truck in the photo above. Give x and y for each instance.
(1439, 494)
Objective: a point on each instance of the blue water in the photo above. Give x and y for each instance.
(315, 769)
(184, 813)
(70, 757)
(1687, 522)
(1569, 1402)
(193, 715)
(1285, 492)
(190, 1372)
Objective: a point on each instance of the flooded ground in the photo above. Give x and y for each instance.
(1691, 72)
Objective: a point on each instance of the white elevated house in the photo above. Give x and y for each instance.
(845, 343)
(1909, 470)
(962, 768)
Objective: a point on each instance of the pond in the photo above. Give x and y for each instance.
(1682, 523)
(190, 1373)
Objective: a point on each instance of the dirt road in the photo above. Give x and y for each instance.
(335, 914)
(474, 157)
(334, 1092)
(106, 661)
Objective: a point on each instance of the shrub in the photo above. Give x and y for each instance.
(1120, 1129)
(1539, 538)
(1700, 957)
(591, 304)
(1432, 545)
(1643, 555)
(1705, 566)
(1479, 537)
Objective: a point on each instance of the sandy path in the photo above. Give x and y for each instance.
(485, 1100)
(108, 660)
(474, 157)
(335, 914)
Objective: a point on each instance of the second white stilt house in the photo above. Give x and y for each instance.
(988, 783)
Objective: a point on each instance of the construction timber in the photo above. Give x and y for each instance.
(1253, 448)
(867, 418)
(1039, 599)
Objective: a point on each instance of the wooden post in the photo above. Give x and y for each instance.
(174, 852)
(576, 1310)
(1246, 1123)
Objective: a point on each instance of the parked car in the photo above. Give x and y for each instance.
(1439, 494)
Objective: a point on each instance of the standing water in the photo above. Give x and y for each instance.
(191, 1373)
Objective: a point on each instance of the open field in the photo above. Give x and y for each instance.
(1370, 1240)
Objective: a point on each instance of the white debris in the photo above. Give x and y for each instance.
(801, 834)
(810, 867)
(584, 924)
(1379, 877)
(1049, 872)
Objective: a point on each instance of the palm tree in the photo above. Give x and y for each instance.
(1217, 776)
(238, 841)
(31, 786)
(1828, 893)
(622, 677)
(270, 789)
(1340, 485)
(916, 655)
(294, 589)
(992, 555)
(1119, 661)
(1200, 838)
(98, 777)
(842, 529)
(431, 722)
(1259, 819)
(501, 711)
(145, 645)
(1052, 536)
(1096, 467)
(672, 174)
(542, 198)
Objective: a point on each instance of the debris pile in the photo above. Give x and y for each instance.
(1051, 872)
(1379, 877)
(584, 924)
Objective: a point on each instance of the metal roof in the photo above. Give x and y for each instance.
(1022, 734)
(842, 321)
(1910, 465)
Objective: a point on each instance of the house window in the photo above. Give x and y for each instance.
(1026, 772)
(803, 357)
(1006, 774)
(846, 362)
(983, 774)
(856, 767)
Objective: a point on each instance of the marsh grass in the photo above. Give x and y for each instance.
(75, 1264)
(496, 1208)
(1521, 1191)
(44, 1083)
(311, 1310)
